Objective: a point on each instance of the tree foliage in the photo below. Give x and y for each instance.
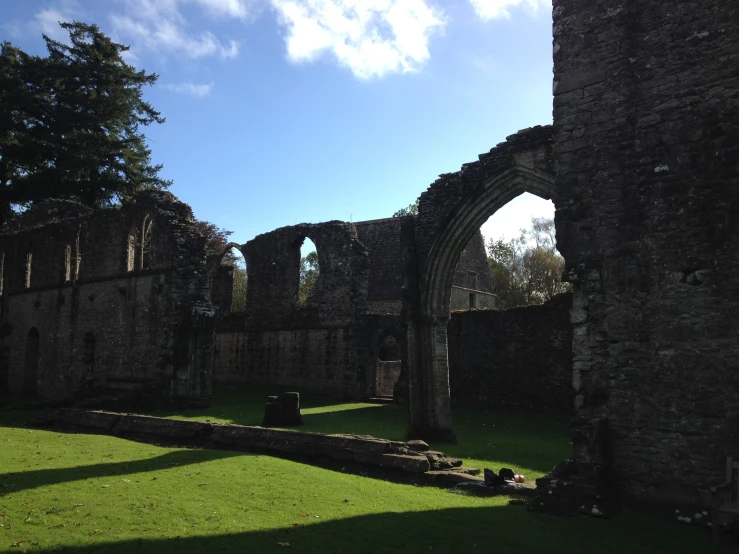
(217, 240)
(70, 122)
(412, 209)
(308, 276)
(528, 269)
(238, 294)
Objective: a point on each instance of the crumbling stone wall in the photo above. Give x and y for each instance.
(450, 212)
(110, 300)
(646, 120)
(321, 345)
(513, 360)
(332, 342)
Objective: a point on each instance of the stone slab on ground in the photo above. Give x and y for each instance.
(411, 457)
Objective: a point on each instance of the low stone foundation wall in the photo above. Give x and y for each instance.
(413, 456)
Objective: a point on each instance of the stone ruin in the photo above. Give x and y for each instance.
(106, 304)
(350, 337)
(282, 410)
(641, 164)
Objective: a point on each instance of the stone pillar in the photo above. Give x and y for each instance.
(430, 405)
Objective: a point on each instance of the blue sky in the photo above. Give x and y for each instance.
(288, 111)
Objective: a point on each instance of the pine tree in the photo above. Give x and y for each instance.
(71, 122)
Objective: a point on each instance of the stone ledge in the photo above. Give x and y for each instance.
(411, 457)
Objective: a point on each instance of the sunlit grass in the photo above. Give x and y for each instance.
(84, 494)
(530, 444)
(339, 408)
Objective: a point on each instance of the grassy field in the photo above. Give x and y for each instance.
(77, 493)
(530, 444)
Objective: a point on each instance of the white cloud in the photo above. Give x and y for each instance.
(13, 28)
(495, 9)
(191, 89)
(508, 221)
(239, 9)
(158, 25)
(370, 37)
(48, 19)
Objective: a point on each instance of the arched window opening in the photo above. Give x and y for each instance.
(88, 351)
(232, 283)
(31, 367)
(27, 276)
(131, 249)
(76, 258)
(389, 361)
(308, 284)
(67, 264)
(520, 244)
(146, 238)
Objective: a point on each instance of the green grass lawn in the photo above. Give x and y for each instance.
(530, 444)
(77, 493)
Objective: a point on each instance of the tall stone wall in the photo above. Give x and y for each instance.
(324, 344)
(333, 360)
(273, 265)
(513, 360)
(114, 300)
(331, 342)
(646, 120)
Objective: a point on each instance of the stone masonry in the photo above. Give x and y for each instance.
(332, 343)
(646, 143)
(513, 360)
(107, 301)
(641, 164)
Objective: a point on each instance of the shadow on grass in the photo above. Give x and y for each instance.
(532, 441)
(23, 480)
(244, 403)
(503, 530)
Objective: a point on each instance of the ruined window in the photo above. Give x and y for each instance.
(308, 286)
(27, 277)
(472, 280)
(232, 282)
(30, 370)
(88, 350)
(67, 263)
(146, 238)
(131, 250)
(76, 258)
(138, 245)
(473, 300)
